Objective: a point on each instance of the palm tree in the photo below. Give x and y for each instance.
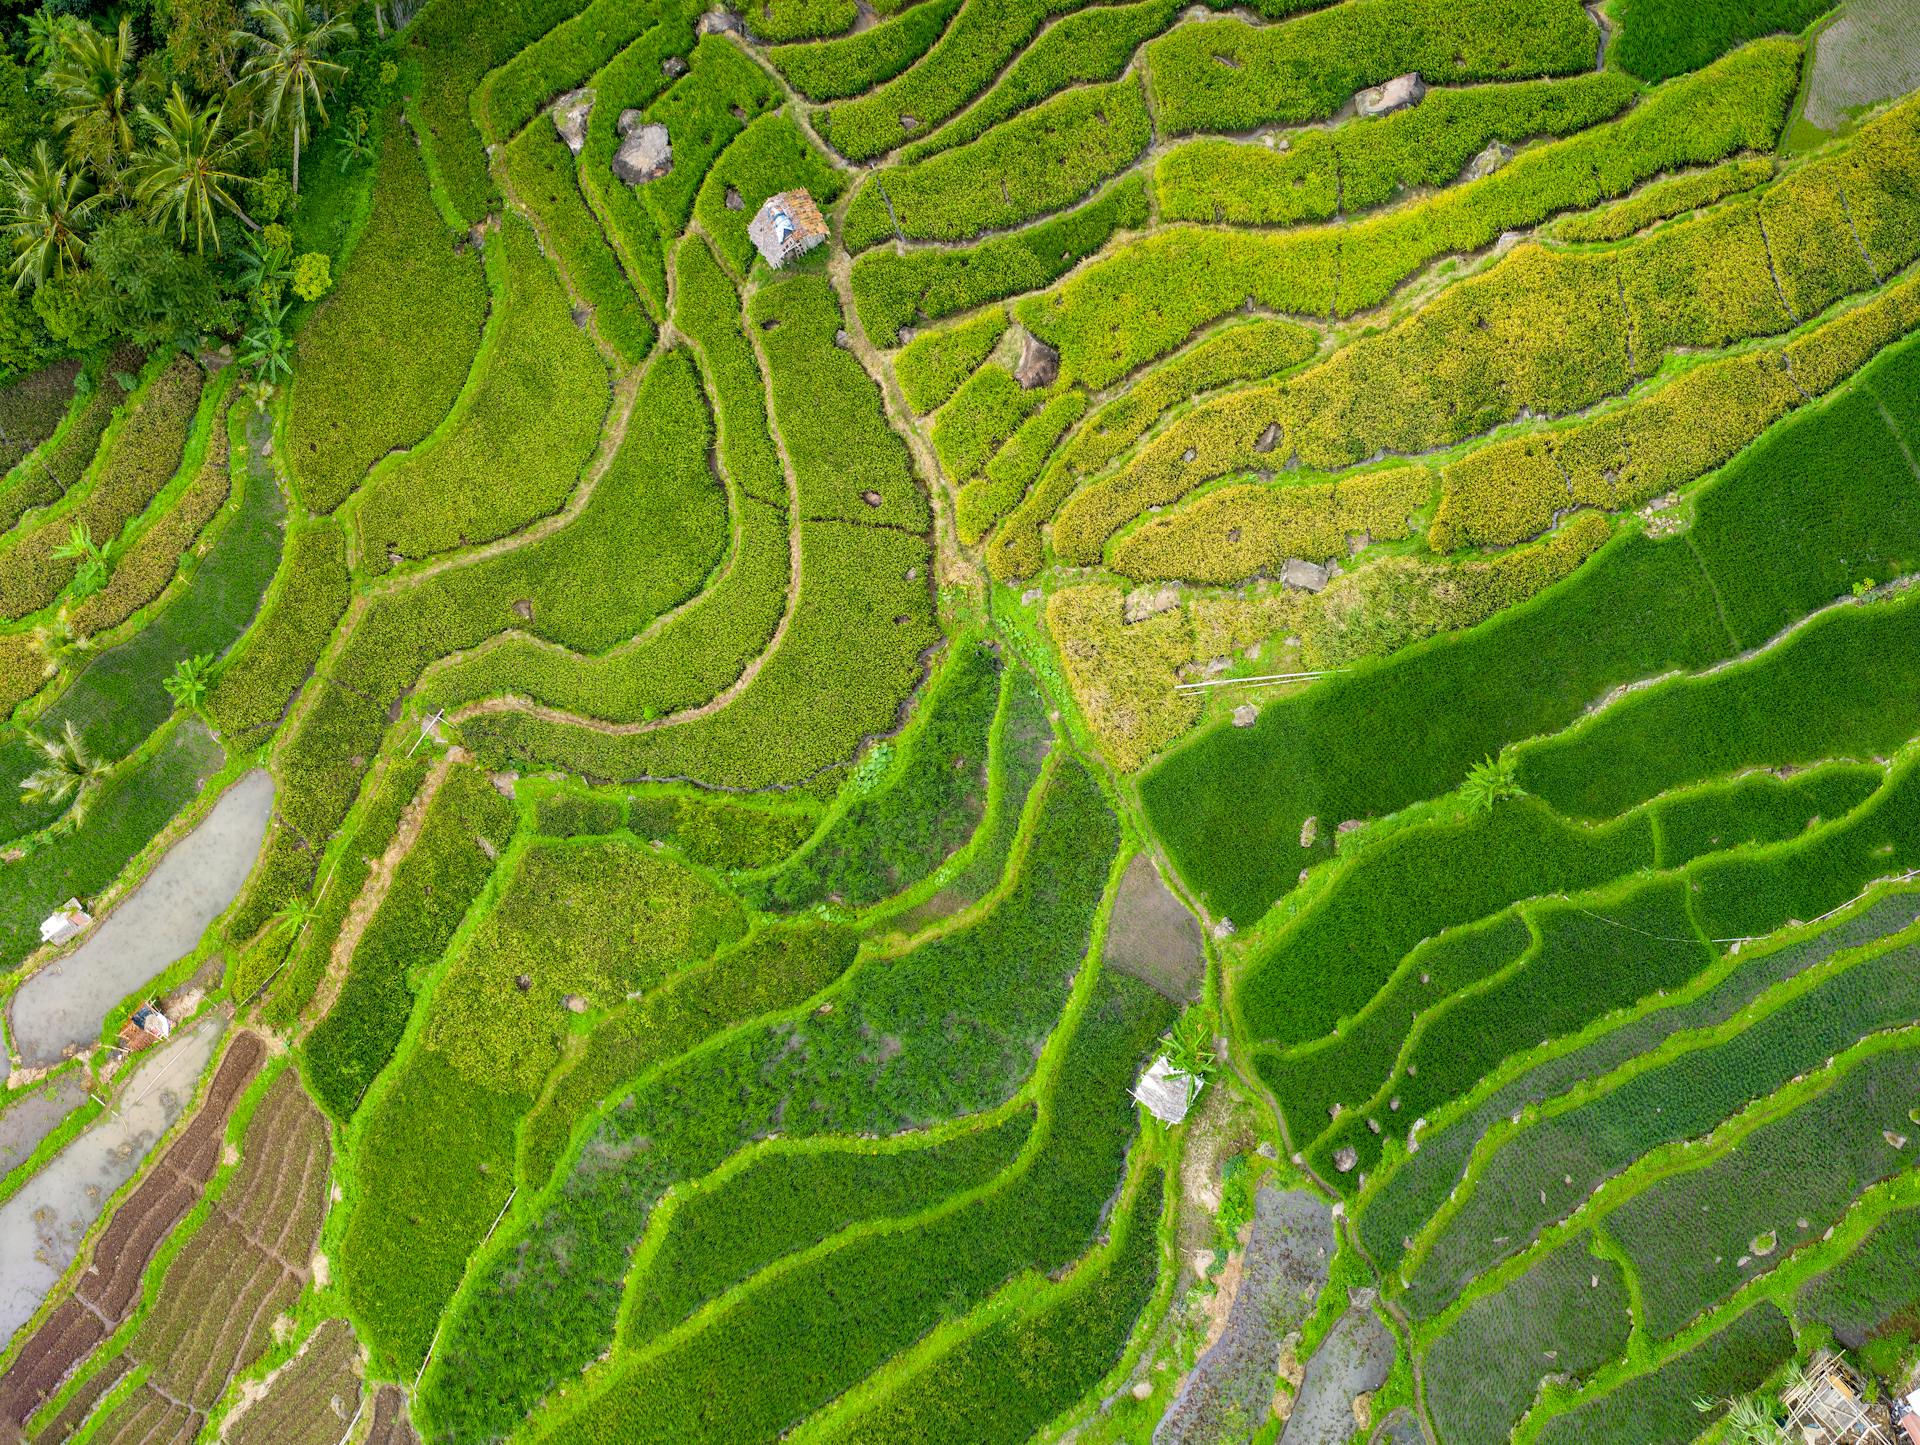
(188, 169)
(92, 81)
(264, 346)
(45, 210)
(91, 575)
(286, 65)
(67, 770)
(60, 643)
(188, 685)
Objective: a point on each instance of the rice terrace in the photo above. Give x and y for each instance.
(1133, 722)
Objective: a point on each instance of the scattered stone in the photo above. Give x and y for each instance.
(523, 609)
(645, 155)
(486, 846)
(1899, 1141)
(1309, 831)
(716, 22)
(1389, 96)
(1267, 1151)
(630, 121)
(734, 200)
(523, 982)
(871, 498)
(1145, 602)
(1345, 1158)
(673, 67)
(1488, 161)
(1308, 576)
(1031, 597)
(1039, 363)
(1346, 827)
(570, 114)
(1143, 1390)
(1764, 1244)
(1269, 439)
(909, 122)
(841, 339)
(1245, 715)
(1223, 929)
(574, 1003)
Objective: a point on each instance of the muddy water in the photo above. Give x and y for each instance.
(41, 1226)
(63, 1005)
(26, 1121)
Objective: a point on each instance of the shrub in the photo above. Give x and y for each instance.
(889, 840)
(252, 692)
(833, 69)
(1051, 156)
(707, 309)
(541, 170)
(312, 276)
(1369, 162)
(539, 395)
(1666, 199)
(892, 289)
(1660, 38)
(1565, 1317)
(142, 455)
(1091, 45)
(380, 363)
(432, 888)
(984, 413)
(770, 156)
(931, 367)
(1226, 75)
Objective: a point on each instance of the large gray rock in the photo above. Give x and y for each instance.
(1039, 363)
(716, 22)
(1496, 155)
(570, 114)
(645, 155)
(1308, 576)
(1389, 96)
(630, 121)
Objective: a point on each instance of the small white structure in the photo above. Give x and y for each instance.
(788, 225)
(64, 923)
(1167, 1093)
(147, 1027)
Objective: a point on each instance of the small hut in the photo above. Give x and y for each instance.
(1167, 1093)
(1827, 1405)
(64, 923)
(147, 1027)
(788, 225)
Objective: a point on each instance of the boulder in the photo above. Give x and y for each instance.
(1039, 363)
(1389, 96)
(570, 114)
(1308, 576)
(645, 155)
(716, 22)
(630, 121)
(1488, 161)
(1245, 715)
(673, 67)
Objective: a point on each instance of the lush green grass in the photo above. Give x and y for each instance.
(544, 1303)
(889, 839)
(432, 889)
(539, 395)
(1872, 1288)
(253, 691)
(1565, 1317)
(931, 367)
(708, 309)
(1659, 38)
(1230, 805)
(770, 156)
(833, 69)
(1657, 1407)
(381, 360)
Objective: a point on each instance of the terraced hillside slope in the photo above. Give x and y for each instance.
(1239, 761)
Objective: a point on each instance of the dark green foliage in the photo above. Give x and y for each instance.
(31, 408)
(786, 1200)
(1419, 1183)
(567, 814)
(1693, 1235)
(382, 359)
(45, 476)
(1659, 38)
(431, 891)
(1227, 75)
(887, 842)
(1565, 1317)
(832, 69)
(1329, 961)
(767, 1358)
(1874, 1287)
(879, 1062)
(130, 811)
(1002, 1385)
(891, 289)
(251, 694)
(1231, 804)
(1757, 808)
(774, 969)
(1566, 1156)
(1657, 1408)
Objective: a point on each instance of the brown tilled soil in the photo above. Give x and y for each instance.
(1152, 936)
(46, 1359)
(148, 1417)
(390, 1425)
(312, 1399)
(73, 1414)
